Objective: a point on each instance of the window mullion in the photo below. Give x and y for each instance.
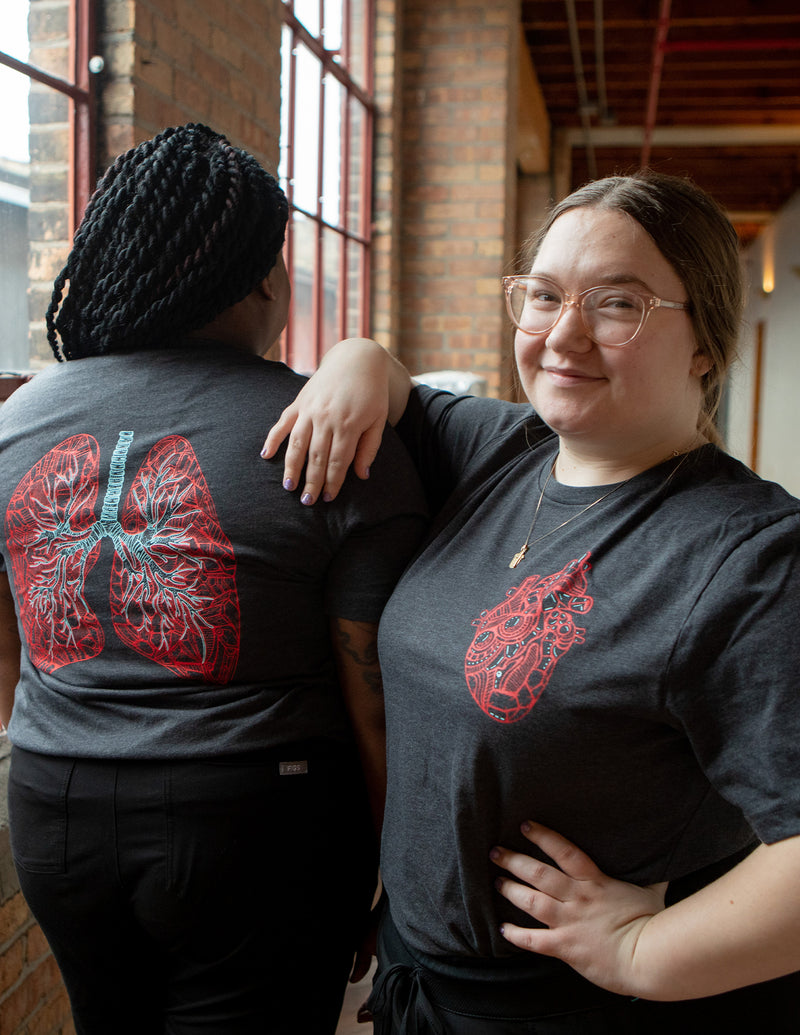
(319, 264)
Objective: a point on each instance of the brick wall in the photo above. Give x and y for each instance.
(445, 161)
(175, 61)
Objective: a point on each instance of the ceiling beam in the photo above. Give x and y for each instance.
(686, 136)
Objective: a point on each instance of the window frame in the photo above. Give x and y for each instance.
(360, 238)
(80, 91)
(82, 126)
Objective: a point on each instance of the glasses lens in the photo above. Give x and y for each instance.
(612, 317)
(534, 304)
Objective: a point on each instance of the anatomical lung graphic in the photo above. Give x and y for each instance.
(173, 595)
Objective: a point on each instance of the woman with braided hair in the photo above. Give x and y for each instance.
(190, 657)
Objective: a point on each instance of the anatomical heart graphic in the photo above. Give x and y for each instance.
(172, 590)
(519, 642)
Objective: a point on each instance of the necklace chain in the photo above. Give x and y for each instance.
(515, 560)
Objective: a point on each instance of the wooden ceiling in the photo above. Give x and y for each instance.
(705, 88)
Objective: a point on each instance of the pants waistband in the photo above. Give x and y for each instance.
(494, 993)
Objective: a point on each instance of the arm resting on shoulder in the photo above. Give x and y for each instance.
(338, 417)
(10, 648)
(356, 650)
(739, 930)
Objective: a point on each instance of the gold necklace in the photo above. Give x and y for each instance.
(515, 560)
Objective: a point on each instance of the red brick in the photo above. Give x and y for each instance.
(176, 45)
(194, 24)
(53, 1016)
(36, 944)
(155, 71)
(12, 962)
(194, 93)
(33, 991)
(14, 917)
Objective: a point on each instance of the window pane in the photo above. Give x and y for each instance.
(332, 287)
(48, 26)
(307, 12)
(14, 35)
(14, 201)
(286, 82)
(357, 172)
(356, 255)
(325, 142)
(359, 37)
(332, 35)
(14, 192)
(13, 85)
(335, 98)
(303, 354)
(306, 130)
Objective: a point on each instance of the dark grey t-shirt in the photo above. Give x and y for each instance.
(173, 598)
(633, 683)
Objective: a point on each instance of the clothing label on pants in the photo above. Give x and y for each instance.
(292, 768)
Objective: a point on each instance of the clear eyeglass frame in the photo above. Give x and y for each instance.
(645, 304)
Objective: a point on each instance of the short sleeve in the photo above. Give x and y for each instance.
(376, 526)
(734, 681)
(446, 435)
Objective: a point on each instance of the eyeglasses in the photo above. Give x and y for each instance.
(611, 316)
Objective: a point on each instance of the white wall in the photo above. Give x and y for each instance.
(778, 456)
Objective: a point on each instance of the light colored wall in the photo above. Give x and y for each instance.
(778, 453)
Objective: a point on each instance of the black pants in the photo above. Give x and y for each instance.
(411, 998)
(202, 898)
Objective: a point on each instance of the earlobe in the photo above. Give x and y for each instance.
(701, 364)
(266, 288)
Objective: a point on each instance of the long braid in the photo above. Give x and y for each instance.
(179, 229)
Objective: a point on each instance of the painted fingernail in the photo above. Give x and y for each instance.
(326, 497)
(525, 828)
(288, 484)
(366, 473)
(306, 499)
(495, 853)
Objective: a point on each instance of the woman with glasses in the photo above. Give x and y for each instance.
(591, 667)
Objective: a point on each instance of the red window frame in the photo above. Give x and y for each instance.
(79, 90)
(304, 351)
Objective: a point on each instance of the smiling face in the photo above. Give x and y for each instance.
(641, 399)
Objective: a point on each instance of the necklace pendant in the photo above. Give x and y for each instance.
(518, 556)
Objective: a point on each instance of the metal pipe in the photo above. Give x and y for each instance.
(580, 82)
(656, 67)
(788, 43)
(600, 62)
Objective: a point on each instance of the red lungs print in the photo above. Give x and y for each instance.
(173, 595)
(518, 643)
(50, 525)
(173, 587)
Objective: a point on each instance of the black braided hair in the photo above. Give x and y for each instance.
(179, 229)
